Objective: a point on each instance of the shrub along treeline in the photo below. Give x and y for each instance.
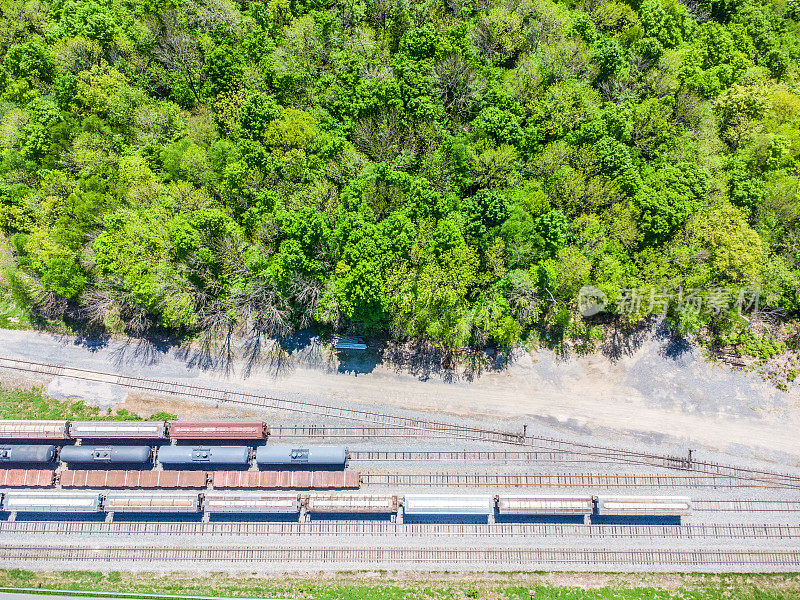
(453, 170)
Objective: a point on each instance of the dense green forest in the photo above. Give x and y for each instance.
(447, 170)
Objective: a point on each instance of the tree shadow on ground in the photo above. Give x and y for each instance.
(623, 338)
(676, 346)
(92, 341)
(424, 360)
(265, 355)
(357, 363)
(421, 359)
(247, 355)
(142, 351)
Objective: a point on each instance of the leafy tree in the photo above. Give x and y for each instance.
(16, 213)
(653, 125)
(419, 43)
(294, 129)
(483, 212)
(134, 247)
(30, 60)
(610, 57)
(739, 110)
(554, 227)
(499, 35)
(614, 156)
(583, 26)
(256, 115)
(57, 264)
(572, 270)
(668, 198)
(565, 106)
(499, 125)
(736, 250)
(668, 21)
(493, 319)
(224, 69)
(431, 302)
(650, 49)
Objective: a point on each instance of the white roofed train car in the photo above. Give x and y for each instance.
(151, 502)
(33, 430)
(351, 503)
(250, 502)
(96, 430)
(656, 506)
(545, 505)
(434, 504)
(51, 502)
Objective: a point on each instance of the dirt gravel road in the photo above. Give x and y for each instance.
(651, 396)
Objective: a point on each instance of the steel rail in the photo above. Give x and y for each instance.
(538, 456)
(540, 443)
(354, 432)
(563, 480)
(262, 401)
(371, 528)
(459, 431)
(422, 557)
(747, 505)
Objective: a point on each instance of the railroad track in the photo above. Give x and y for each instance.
(507, 456)
(427, 558)
(547, 449)
(667, 461)
(263, 401)
(325, 432)
(399, 421)
(563, 480)
(367, 528)
(747, 505)
(500, 456)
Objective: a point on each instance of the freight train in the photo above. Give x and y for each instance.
(177, 457)
(87, 451)
(210, 502)
(199, 454)
(139, 430)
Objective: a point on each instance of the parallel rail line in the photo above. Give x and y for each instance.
(464, 455)
(501, 456)
(366, 528)
(563, 480)
(747, 505)
(353, 432)
(398, 421)
(424, 557)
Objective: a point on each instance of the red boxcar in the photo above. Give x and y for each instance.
(217, 430)
(133, 479)
(26, 477)
(286, 479)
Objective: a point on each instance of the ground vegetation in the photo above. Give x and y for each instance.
(413, 586)
(35, 403)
